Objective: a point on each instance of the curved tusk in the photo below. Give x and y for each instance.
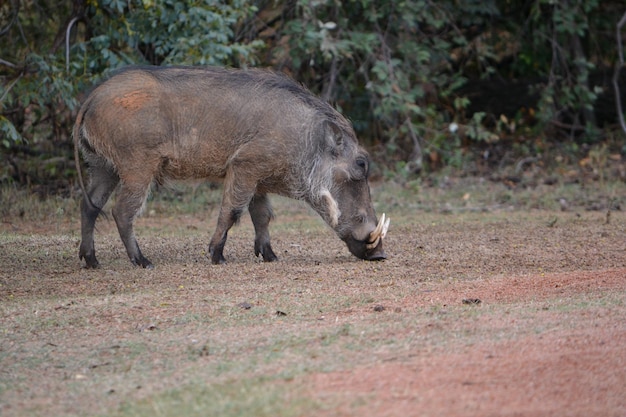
(378, 233)
(373, 244)
(385, 228)
(379, 228)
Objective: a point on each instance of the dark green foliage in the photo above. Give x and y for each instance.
(419, 79)
(42, 81)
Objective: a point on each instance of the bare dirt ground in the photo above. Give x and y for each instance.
(519, 313)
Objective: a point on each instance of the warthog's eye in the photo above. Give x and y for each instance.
(361, 163)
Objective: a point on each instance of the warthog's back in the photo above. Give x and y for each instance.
(196, 119)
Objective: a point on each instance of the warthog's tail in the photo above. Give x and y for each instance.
(81, 181)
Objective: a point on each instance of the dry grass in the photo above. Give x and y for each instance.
(250, 338)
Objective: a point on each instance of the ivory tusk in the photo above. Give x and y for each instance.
(385, 228)
(373, 244)
(378, 233)
(379, 228)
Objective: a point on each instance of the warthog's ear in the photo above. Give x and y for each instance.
(333, 137)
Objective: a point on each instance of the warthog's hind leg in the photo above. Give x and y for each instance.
(102, 182)
(261, 214)
(130, 199)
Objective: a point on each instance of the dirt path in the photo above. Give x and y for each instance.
(577, 368)
(481, 314)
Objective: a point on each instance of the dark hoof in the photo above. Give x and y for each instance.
(142, 262)
(267, 253)
(92, 265)
(217, 256)
(90, 261)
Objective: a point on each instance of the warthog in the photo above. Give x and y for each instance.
(258, 131)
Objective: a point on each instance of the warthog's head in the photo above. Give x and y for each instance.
(340, 181)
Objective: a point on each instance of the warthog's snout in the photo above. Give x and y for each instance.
(370, 248)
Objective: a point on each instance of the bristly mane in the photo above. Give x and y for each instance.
(268, 78)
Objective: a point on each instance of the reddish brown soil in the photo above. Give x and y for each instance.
(485, 314)
(575, 372)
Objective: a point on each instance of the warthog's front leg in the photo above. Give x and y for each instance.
(227, 218)
(238, 192)
(261, 214)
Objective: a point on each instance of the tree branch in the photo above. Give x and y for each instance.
(7, 63)
(618, 67)
(15, 9)
(416, 157)
(67, 43)
(6, 91)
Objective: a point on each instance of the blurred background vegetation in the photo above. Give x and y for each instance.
(461, 87)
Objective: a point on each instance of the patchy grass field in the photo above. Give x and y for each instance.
(493, 302)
